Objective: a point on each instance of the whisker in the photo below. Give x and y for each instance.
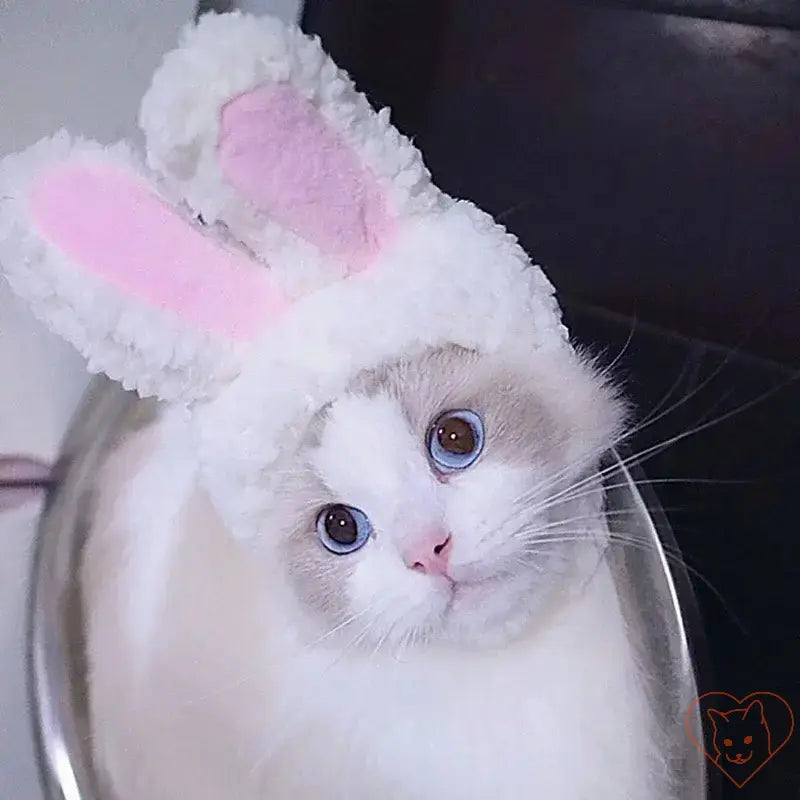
(650, 416)
(672, 556)
(352, 618)
(609, 367)
(641, 456)
(537, 529)
(580, 535)
(552, 503)
(571, 495)
(702, 578)
(647, 453)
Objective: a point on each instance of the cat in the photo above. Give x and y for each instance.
(430, 615)
(361, 551)
(741, 740)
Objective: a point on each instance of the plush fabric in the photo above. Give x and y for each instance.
(325, 250)
(88, 212)
(134, 342)
(277, 151)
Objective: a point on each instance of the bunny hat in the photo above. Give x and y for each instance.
(279, 237)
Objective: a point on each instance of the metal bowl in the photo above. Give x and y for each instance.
(655, 593)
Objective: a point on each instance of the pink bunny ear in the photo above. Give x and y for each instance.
(148, 297)
(257, 128)
(278, 152)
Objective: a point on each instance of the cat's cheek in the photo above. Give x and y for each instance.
(483, 512)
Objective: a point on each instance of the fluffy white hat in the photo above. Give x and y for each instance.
(281, 237)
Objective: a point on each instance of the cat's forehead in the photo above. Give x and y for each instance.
(445, 379)
(419, 390)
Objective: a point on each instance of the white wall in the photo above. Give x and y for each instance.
(80, 64)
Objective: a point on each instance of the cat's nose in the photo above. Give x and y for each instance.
(429, 552)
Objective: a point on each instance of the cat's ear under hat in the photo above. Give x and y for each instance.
(143, 291)
(257, 129)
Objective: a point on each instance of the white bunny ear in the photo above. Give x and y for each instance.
(148, 297)
(255, 127)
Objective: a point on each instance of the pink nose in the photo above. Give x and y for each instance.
(430, 552)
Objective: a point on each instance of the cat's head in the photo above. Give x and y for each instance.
(283, 239)
(450, 496)
(741, 734)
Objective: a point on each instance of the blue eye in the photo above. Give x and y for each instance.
(343, 529)
(456, 440)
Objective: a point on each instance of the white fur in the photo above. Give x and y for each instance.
(232, 704)
(524, 683)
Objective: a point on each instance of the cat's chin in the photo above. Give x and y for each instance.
(490, 612)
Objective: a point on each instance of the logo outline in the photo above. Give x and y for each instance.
(740, 704)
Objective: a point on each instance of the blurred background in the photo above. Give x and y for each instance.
(644, 151)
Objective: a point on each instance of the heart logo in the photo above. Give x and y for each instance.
(742, 735)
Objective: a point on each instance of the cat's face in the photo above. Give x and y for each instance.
(439, 499)
(741, 734)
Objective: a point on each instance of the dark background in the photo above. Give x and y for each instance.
(648, 154)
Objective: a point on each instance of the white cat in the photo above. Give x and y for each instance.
(359, 551)
(426, 614)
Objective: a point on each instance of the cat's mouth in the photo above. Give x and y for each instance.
(459, 590)
(740, 759)
(471, 590)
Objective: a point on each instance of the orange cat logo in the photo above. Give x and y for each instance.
(743, 735)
